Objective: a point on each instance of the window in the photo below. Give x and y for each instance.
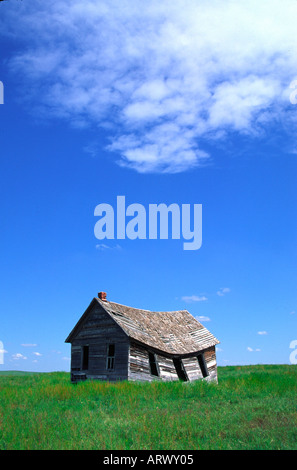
(85, 357)
(202, 365)
(110, 357)
(153, 364)
(180, 370)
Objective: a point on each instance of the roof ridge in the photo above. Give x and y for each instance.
(103, 302)
(121, 305)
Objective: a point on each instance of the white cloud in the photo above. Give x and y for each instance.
(37, 354)
(28, 345)
(202, 318)
(104, 247)
(18, 356)
(253, 350)
(194, 298)
(223, 290)
(262, 333)
(159, 77)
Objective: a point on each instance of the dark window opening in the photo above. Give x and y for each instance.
(153, 364)
(202, 365)
(180, 370)
(85, 357)
(110, 356)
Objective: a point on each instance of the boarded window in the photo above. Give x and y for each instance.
(85, 357)
(180, 370)
(110, 356)
(153, 364)
(202, 365)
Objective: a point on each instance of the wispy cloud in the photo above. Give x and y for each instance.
(194, 298)
(253, 350)
(223, 290)
(18, 356)
(92, 149)
(160, 78)
(28, 345)
(104, 247)
(37, 354)
(262, 333)
(202, 318)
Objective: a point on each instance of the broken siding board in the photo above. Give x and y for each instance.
(139, 365)
(210, 354)
(211, 363)
(192, 368)
(139, 368)
(166, 368)
(210, 357)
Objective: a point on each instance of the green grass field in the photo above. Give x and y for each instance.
(252, 407)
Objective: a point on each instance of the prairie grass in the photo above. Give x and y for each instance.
(252, 407)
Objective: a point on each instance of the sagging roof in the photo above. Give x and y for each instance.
(175, 332)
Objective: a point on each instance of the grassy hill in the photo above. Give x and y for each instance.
(252, 407)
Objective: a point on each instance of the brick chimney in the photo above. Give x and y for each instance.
(102, 296)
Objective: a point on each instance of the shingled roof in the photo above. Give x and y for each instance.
(175, 332)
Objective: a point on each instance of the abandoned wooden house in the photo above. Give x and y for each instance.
(114, 342)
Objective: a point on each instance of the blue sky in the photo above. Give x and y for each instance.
(185, 104)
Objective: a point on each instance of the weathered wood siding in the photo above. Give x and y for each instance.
(211, 362)
(193, 370)
(97, 331)
(166, 368)
(139, 367)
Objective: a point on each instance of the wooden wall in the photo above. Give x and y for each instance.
(97, 331)
(193, 370)
(139, 368)
(211, 362)
(131, 359)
